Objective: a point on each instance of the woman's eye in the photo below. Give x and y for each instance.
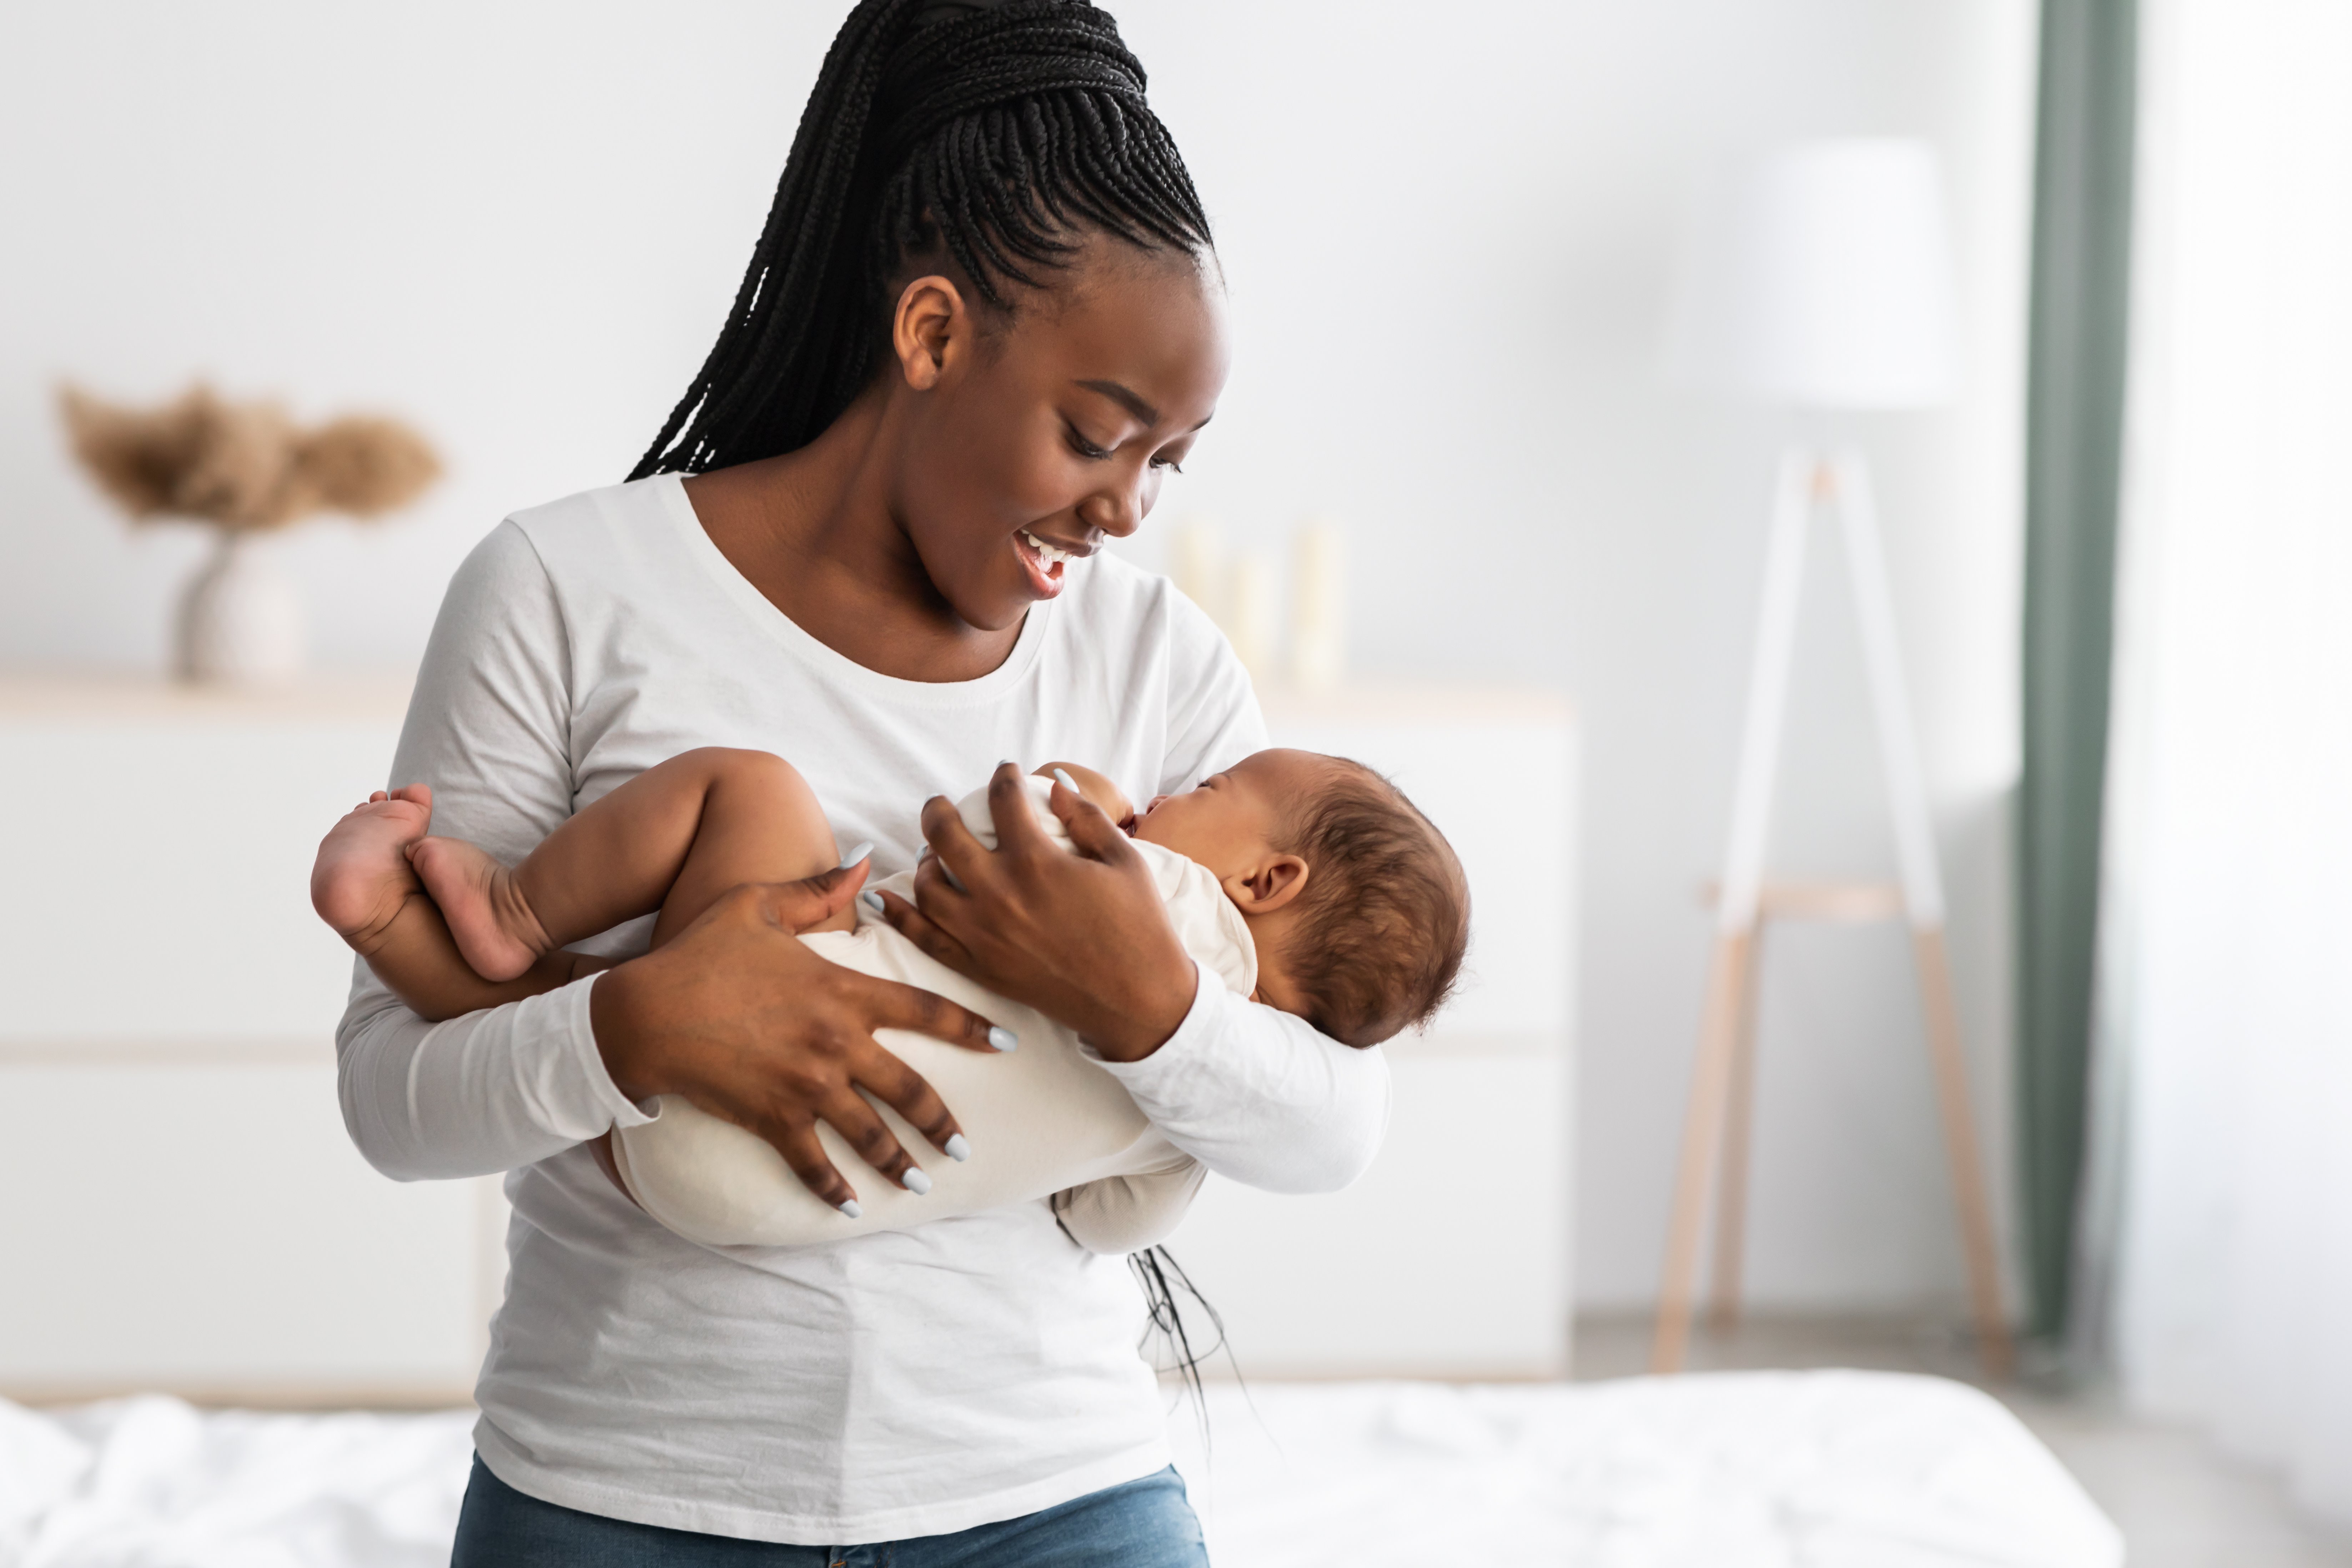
(1095, 454)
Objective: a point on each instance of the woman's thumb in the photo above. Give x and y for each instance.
(797, 906)
(1090, 829)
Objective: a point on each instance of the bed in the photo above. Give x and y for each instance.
(1824, 1470)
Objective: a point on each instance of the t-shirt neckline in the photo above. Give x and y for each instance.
(763, 613)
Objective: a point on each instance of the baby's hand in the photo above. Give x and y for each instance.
(1103, 794)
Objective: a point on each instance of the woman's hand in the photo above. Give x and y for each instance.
(1082, 938)
(748, 1024)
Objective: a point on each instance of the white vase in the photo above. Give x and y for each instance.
(241, 619)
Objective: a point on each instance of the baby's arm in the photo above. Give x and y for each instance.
(1116, 1214)
(1097, 789)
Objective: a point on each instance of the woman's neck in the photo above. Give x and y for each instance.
(813, 532)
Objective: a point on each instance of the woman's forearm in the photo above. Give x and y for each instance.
(1259, 1097)
(487, 1092)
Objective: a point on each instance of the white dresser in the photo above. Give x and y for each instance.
(1451, 1257)
(184, 1212)
(183, 1208)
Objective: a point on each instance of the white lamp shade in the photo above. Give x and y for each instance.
(1821, 275)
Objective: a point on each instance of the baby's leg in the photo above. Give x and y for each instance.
(673, 838)
(363, 886)
(761, 822)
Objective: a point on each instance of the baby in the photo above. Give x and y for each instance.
(1304, 881)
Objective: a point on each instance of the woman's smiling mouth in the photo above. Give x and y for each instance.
(1042, 562)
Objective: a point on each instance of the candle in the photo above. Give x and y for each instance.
(1250, 613)
(1195, 564)
(1318, 611)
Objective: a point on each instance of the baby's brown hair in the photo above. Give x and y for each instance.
(1385, 914)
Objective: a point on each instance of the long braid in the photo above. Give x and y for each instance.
(997, 132)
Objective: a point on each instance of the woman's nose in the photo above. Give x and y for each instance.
(1118, 511)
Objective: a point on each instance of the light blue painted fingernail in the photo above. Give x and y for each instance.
(854, 856)
(956, 1148)
(917, 1181)
(849, 1206)
(1067, 782)
(1002, 1038)
(872, 901)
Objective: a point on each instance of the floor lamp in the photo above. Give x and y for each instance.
(1818, 278)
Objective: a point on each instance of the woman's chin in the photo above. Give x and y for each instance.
(997, 612)
(999, 605)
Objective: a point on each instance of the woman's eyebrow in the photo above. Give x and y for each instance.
(1126, 398)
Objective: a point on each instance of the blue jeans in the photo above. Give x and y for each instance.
(1142, 1524)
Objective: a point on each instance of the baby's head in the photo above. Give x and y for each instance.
(1359, 908)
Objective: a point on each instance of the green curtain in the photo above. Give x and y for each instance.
(2075, 413)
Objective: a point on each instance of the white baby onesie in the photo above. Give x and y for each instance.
(1043, 1122)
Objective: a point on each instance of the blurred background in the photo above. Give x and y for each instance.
(1450, 261)
(1452, 239)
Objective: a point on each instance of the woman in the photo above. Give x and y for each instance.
(983, 324)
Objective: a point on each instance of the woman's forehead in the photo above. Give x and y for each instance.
(1156, 334)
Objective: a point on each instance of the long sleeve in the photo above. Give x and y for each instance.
(487, 730)
(1258, 1096)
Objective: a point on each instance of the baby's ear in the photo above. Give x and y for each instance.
(1272, 883)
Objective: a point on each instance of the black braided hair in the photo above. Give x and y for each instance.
(1164, 1321)
(997, 131)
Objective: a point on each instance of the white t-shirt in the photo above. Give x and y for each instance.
(904, 1384)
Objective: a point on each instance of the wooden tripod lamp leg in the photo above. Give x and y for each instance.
(1702, 1135)
(1960, 1143)
(1923, 895)
(1738, 1125)
(1736, 910)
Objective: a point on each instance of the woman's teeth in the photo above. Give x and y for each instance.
(1047, 552)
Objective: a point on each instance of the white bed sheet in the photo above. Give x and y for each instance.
(1835, 1470)
(1812, 1469)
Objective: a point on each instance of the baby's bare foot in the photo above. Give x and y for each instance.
(487, 915)
(362, 876)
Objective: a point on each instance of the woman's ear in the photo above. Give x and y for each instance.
(930, 324)
(1268, 886)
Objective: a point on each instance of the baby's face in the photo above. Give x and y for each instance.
(1228, 823)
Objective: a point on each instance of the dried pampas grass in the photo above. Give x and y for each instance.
(244, 466)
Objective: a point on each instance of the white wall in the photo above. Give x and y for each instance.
(1447, 232)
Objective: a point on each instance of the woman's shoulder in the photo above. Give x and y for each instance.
(592, 552)
(600, 522)
(589, 572)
